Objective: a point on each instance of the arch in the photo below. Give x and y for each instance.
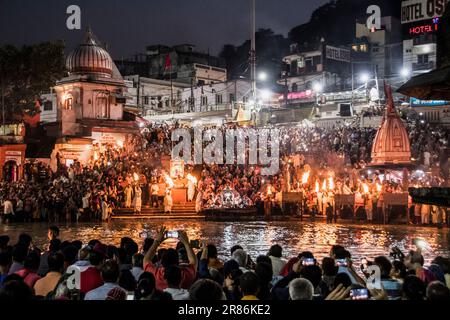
(10, 171)
(101, 106)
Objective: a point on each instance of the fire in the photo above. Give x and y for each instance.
(191, 178)
(379, 188)
(135, 176)
(317, 186)
(269, 190)
(305, 177)
(324, 185)
(331, 183)
(95, 156)
(365, 188)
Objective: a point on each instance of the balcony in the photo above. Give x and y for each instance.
(430, 65)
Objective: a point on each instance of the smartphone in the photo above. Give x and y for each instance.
(130, 296)
(308, 262)
(359, 294)
(341, 262)
(194, 244)
(172, 234)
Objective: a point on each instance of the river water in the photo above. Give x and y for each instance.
(256, 237)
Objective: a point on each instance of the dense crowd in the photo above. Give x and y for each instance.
(131, 175)
(190, 271)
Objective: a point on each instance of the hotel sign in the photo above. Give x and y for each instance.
(338, 54)
(428, 103)
(418, 10)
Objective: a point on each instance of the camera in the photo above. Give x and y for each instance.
(359, 294)
(342, 262)
(172, 234)
(195, 244)
(308, 261)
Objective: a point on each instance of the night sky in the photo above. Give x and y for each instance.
(127, 26)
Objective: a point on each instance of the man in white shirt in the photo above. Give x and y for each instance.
(8, 210)
(172, 275)
(110, 275)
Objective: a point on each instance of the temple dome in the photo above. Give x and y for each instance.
(90, 58)
(391, 144)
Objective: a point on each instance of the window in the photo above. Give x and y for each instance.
(363, 48)
(423, 58)
(191, 102)
(167, 103)
(48, 106)
(232, 98)
(101, 105)
(245, 99)
(218, 99)
(68, 103)
(294, 87)
(204, 101)
(146, 100)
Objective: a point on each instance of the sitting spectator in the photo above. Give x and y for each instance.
(172, 275)
(413, 288)
(248, 284)
(55, 262)
(301, 289)
(137, 263)
(206, 290)
(5, 264)
(438, 291)
(170, 258)
(110, 275)
(146, 289)
(29, 272)
(275, 254)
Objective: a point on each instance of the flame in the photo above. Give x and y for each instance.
(191, 178)
(324, 185)
(331, 183)
(305, 177)
(95, 156)
(317, 186)
(269, 190)
(365, 188)
(379, 187)
(135, 176)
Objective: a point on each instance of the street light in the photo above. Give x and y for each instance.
(265, 94)
(405, 73)
(262, 76)
(317, 87)
(364, 77)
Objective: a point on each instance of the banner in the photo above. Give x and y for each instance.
(338, 54)
(428, 103)
(418, 10)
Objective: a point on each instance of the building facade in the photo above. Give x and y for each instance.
(420, 23)
(87, 105)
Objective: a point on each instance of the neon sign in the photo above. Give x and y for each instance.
(427, 28)
(298, 95)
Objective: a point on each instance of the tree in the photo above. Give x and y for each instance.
(336, 21)
(26, 73)
(270, 49)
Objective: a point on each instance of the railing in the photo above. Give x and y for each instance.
(430, 65)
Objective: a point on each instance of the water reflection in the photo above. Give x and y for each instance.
(256, 237)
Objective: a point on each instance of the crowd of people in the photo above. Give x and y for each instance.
(156, 271)
(132, 175)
